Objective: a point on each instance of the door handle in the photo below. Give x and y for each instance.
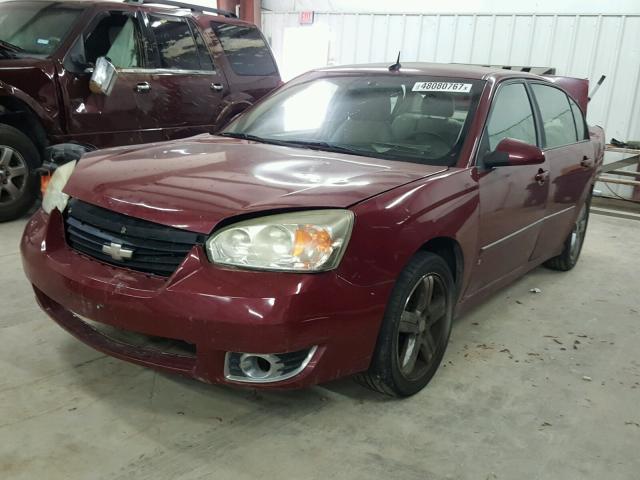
(586, 162)
(542, 176)
(143, 87)
(218, 87)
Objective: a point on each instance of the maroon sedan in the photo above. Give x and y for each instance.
(335, 228)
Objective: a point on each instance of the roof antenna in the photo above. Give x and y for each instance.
(396, 66)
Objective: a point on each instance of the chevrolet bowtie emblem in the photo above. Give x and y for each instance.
(115, 251)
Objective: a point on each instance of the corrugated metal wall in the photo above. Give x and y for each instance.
(576, 45)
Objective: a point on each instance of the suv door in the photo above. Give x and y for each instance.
(512, 198)
(187, 89)
(571, 162)
(123, 117)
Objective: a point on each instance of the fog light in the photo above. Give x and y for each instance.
(266, 368)
(258, 366)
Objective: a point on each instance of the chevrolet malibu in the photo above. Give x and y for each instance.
(335, 228)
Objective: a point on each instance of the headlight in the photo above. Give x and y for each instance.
(53, 196)
(310, 241)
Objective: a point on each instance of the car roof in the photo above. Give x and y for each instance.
(148, 7)
(475, 72)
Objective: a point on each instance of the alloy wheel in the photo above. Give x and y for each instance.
(422, 329)
(13, 175)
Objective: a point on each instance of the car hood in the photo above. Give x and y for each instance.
(195, 183)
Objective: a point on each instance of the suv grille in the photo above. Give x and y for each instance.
(152, 248)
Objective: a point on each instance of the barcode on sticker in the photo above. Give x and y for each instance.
(442, 87)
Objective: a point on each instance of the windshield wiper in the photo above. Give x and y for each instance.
(254, 138)
(10, 46)
(416, 149)
(329, 147)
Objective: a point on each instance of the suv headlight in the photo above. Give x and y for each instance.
(53, 196)
(307, 241)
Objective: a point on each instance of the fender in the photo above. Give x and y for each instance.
(48, 120)
(436, 214)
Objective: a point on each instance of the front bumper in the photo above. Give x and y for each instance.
(216, 310)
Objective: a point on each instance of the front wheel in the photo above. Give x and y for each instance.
(415, 329)
(573, 243)
(18, 183)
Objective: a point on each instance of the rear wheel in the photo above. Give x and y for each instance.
(573, 244)
(18, 184)
(415, 330)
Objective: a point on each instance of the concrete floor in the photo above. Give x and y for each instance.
(534, 386)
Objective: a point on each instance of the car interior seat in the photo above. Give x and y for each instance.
(368, 121)
(434, 117)
(437, 110)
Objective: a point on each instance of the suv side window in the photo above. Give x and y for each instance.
(557, 117)
(511, 117)
(578, 117)
(246, 49)
(203, 52)
(117, 37)
(177, 49)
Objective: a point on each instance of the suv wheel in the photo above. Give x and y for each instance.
(18, 184)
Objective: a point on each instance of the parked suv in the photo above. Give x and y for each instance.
(176, 71)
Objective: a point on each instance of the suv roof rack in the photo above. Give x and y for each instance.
(187, 6)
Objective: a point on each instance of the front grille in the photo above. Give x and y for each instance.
(157, 249)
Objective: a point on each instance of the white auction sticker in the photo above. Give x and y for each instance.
(442, 87)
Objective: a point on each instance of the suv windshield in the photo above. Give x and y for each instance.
(396, 117)
(35, 28)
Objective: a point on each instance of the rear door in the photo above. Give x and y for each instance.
(571, 163)
(186, 88)
(249, 63)
(512, 198)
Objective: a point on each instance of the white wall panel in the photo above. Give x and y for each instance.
(577, 45)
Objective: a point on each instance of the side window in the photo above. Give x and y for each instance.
(578, 117)
(511, 117)
(557, 118)
(246, 49)
(203, 52)
(118, 38)
(176, 46)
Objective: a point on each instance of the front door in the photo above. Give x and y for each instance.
(571, 162)
(123, 117)
(512, 198)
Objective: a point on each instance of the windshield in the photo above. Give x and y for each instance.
(390, 116)
(35, 28)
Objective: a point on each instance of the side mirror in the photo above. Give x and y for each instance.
(104, 77)
(511, 152)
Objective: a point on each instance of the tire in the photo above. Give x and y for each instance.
(391, 370)
(19, 184)
(573, 243)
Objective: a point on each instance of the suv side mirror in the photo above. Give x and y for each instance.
(104, 77)
(511, 152)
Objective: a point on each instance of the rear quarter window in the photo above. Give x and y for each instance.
(246, 49)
